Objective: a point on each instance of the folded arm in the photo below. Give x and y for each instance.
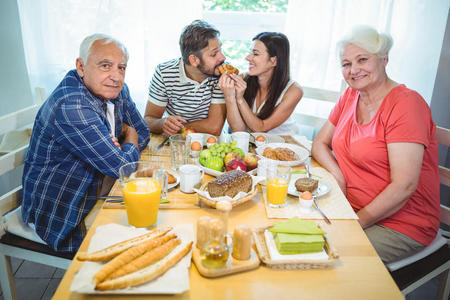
(81, 131)
(405, 162)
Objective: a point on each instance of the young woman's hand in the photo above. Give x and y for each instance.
(240, 85)
(227, 86)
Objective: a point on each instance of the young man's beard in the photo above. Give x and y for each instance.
(206, 71)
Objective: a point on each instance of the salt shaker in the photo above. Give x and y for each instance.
(202, 231)
(242, 242)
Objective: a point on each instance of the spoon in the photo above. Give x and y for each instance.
(314, 196)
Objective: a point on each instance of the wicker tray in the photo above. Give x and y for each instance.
(264, 255)
(212, 203)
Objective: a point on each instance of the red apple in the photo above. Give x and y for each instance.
(251, 161)
(230, 156)
(185, 131)
(236, 164)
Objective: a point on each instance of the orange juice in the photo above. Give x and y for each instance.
(141, 198)
(276, 191)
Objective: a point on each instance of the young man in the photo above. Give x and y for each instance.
(186, 89)
(74, 145)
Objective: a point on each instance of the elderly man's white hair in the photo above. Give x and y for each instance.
(86, 44)
(368, 39)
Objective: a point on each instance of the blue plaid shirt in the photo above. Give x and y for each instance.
(70, 149)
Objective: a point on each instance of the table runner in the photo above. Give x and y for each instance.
(334, 204)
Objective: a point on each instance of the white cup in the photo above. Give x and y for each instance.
(242, 139)
(190, 175)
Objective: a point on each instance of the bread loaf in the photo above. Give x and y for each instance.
(306, 184)
(230, 184)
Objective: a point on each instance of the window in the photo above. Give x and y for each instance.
(52, 31)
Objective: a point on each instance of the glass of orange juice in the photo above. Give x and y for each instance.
(278, 178)
(141, 193)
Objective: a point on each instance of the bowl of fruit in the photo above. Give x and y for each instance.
(222, 157)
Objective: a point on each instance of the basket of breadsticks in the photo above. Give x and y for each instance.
(126, 260)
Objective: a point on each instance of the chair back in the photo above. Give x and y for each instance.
(443, 138)
(15, 130)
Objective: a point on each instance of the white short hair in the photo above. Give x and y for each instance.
(86, 45)
(368, 39)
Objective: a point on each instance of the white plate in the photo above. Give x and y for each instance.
(177, 177)
(322, 189)
(270, 138)
(110, 234)
(302, 153)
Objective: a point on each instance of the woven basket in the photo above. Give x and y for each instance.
(212, 203)
(263, 252)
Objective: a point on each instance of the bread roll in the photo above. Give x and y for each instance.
(146, 274)
(116, 249)
(129, 255)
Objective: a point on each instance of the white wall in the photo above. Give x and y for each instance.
(14, 83)
(426, 27)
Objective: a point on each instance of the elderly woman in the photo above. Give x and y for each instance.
(264, 99)
(385, 151)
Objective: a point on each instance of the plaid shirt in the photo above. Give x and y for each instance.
(70, 149)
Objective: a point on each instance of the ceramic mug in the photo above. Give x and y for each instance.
(242, 139)
(190, 175)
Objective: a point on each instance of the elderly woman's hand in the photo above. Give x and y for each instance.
(227, 86)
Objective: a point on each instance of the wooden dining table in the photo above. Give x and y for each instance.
(358, 273)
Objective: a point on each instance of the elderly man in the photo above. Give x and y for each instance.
(87, 129)
(186, 88)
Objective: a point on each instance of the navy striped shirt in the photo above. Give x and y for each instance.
(70, 149)
(182, 96)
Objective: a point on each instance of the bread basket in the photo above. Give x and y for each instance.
(212, 203)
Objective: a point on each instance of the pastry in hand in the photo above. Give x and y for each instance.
(228, 69)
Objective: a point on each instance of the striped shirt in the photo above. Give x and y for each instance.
(70, 149)
(182, 96)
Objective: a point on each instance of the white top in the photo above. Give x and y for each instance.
(182, 96)
(288, 127)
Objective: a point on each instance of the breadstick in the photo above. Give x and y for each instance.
(116, 249)
(129, 255)
(146, 259)
(146, 274)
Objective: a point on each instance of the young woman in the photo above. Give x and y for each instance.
(264, 99)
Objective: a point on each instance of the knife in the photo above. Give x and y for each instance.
(163, 142)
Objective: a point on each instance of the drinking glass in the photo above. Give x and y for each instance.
(278, 178)
(179, 151)
(141, 193)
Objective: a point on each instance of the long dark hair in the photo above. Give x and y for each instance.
(277, 44)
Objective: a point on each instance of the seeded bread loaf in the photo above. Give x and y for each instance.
(306, 184)
(230, 184)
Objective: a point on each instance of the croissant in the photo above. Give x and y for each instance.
(229, 69)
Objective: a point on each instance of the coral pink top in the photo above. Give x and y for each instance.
(361, 152)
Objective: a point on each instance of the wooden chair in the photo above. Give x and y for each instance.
(434, 260)
(12, 245)
(309, 125)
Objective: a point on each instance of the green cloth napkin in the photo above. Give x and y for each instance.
(288, 243)
(295, 225)
(296, 236)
